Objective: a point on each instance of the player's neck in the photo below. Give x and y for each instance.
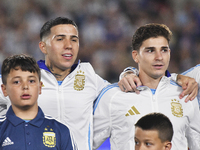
(149, 81)
(58, 73)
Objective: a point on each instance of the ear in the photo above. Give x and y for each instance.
(42, 46)
(167, 145)
(3, 88)
(135, 55)
(40, 87)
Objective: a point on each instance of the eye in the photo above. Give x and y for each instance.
(148, 144)
(32, 81)
(16, 82)
(150, 51)
(136, 142)
(74, 40)
(59, 39)
(165, 50)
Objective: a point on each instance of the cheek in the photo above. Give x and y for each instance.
(40, 90)
(76, 47)
(145, 60)
(53, 47)
(13, 92)
(36, 89)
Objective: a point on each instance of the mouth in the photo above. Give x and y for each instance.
(158, 66)
(25, 96)
(67, 56)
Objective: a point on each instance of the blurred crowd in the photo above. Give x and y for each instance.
(105, 29)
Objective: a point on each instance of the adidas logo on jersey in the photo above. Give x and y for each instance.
(132, 111)
(7, 141)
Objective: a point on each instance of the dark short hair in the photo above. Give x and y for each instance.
(158, 122)
(46, 28)
(148, 31)
(23, 62)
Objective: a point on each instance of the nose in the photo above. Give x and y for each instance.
(159, 56)
(68, 44)
(25, 86)
(141, 148)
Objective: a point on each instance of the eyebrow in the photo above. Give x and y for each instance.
(151, 47)
(62, 35)
(16, 77)
(165, 47)
(32, 77)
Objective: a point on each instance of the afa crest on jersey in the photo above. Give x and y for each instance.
(79, 82)
(176, 108)
(49, 137)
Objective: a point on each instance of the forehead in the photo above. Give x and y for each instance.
(64, 29)
(19, 73)
(155, 41)
(144, 135)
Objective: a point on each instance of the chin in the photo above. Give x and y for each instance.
(66, 66)
(26, 107)
(158, 75)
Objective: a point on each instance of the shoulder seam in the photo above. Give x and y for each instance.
(102, 93)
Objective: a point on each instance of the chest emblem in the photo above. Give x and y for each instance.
(49, 137)
(176, 108)
(79, 81)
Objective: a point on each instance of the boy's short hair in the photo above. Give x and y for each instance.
(148, 31)
(158, 122)
(23, 62)
(46, 28)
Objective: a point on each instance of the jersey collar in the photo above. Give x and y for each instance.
(41, 64)
(167, 73)
(37, 121)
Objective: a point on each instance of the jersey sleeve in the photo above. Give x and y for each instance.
(193, 131)
(100, 83)
(173, 77)
(129, 69)
(194, 72)
(68, 142)
(102, 117)
(193, 141)
(74, 145)
(4, 102)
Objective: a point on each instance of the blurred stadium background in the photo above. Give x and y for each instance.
(105, 29)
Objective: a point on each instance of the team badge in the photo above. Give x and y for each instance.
(176, 108)
(49, 137)
(79, 81)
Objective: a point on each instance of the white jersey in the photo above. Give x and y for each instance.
(116, 112)
(194, 72)
(72, 101)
